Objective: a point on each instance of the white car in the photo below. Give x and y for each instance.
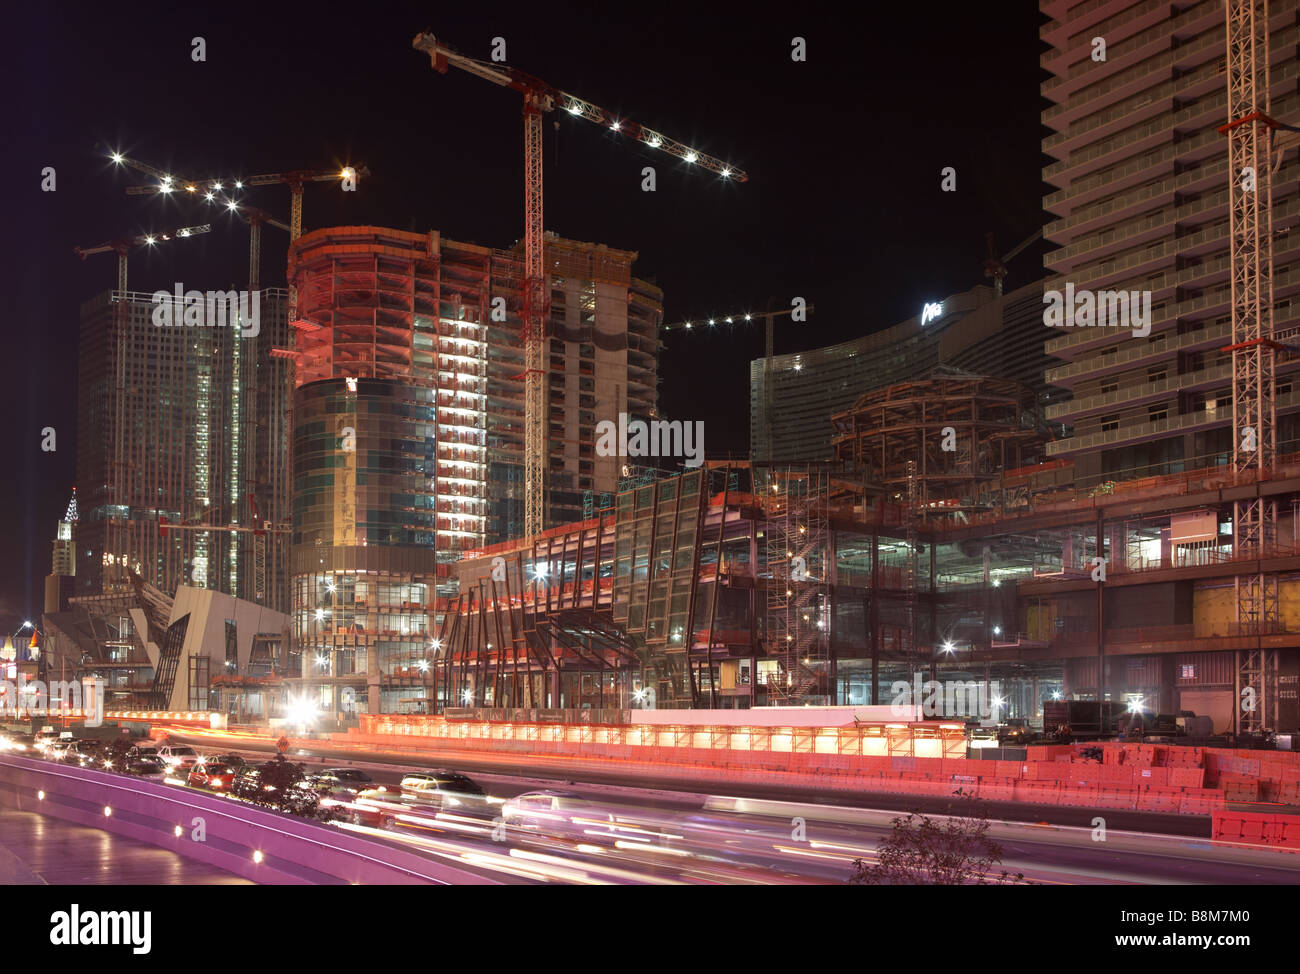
(542, 809)
(179, 757)
(58, 750)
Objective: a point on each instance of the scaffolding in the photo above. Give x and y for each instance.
(798, 566)
(949, 437)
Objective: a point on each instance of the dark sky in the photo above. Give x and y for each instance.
(844, 152)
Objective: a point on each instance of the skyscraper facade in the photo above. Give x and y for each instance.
(181, 428)
(1139, 206)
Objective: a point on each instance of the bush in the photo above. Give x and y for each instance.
(922, 852)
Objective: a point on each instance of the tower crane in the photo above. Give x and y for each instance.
(122, 246)
(1250, 132)
(540, 97)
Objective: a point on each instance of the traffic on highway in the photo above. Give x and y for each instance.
(517, 828)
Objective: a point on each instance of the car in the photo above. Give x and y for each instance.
(47, 736)
(212, 775)
(375, 805)
(247, 782)
(58, 750)
(179, 757)
(234, 760)
(142, 751)
(445, 789)
(81, 753)
(20, 743)
(535, 810)
(1014, 732)
(149, 767)
(339, 780)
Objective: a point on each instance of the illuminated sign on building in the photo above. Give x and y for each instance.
(931, 311)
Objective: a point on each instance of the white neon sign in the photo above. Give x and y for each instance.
(932, 311)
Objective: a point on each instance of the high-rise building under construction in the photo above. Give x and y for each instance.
(1139, 207)
(408, 428)
(180, 427)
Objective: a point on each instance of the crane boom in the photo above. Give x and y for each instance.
(549, 98)
(141, 240)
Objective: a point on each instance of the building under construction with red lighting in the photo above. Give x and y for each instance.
(408, 427)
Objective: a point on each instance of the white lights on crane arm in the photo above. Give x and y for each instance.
(726, 173)
(149, 240)
(575, 109)
(654, 142)
(691, 157)
(616, 125)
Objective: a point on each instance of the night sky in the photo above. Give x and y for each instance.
(844, 153)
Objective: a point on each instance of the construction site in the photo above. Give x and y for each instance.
(442, 533)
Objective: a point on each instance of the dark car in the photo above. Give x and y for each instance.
(85, 754)
(233, 760)
(212, 775)
(1015, 732)
(149, 767)
(345, 781)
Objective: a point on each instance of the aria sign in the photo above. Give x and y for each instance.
(932, 311)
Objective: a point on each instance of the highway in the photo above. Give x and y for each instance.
(623, 831)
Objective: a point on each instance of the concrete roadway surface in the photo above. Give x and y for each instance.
(622, 831)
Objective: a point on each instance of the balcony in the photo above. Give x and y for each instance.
(1218, 299)
(1136, 393)
(1136, 169)
(1132, 432)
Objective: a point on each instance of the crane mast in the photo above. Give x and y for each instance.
(1250, 131)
